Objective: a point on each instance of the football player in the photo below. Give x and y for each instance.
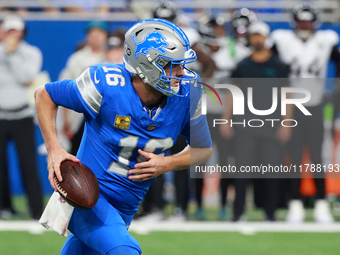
(227, 54)
(308, 52)
(133, 114)
(241, 20)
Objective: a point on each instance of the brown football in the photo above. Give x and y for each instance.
(79, 187)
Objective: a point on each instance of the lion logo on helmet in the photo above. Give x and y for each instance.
(154, 40)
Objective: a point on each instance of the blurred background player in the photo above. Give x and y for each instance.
(261, 145)
(241, 19)
(227, 54)
(308, 52)
(89, 53)
(20, 64)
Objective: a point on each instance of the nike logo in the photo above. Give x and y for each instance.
(95, 78)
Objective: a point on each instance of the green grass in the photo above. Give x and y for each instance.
(24, 243)
(234, 243)
(196, 243)
(252, 213)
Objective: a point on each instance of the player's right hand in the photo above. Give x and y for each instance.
(55, 157)
(227, 131)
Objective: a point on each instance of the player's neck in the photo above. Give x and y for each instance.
(148, 95)
(261, 56)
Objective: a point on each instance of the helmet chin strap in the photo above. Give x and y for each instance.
(173, 90)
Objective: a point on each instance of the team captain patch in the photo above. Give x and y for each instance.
(122, 122)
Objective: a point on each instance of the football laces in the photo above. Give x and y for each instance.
(59, 188)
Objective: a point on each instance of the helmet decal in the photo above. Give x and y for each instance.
(154, 40)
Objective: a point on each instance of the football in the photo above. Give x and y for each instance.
(79, 187)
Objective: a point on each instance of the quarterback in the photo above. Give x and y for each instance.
(134, 113)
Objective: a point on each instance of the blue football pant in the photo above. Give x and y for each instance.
(100, 231)
(74, 246)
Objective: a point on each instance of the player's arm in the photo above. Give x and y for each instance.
(157, 165)
(196, 132)
(81, 95)
(189, 156)
(47, 112)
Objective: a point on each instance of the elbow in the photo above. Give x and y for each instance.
(39, 92)
(208, 153)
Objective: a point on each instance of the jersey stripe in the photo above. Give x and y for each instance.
(88, 91)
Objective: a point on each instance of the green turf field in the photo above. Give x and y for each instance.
(252, 213)
(196, 243)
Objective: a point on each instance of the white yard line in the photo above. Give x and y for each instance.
(244, 227)
(247, 228)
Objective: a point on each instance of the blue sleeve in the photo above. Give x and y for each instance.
(83, 95)
(196, 130)
(197, 133)
(64, 93)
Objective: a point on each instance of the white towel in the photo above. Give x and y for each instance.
(57, 214)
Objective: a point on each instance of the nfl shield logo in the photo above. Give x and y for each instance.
(151, 127)
(61, 200)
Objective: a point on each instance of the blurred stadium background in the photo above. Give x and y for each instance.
(56, 26)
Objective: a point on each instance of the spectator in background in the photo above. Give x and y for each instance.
(226, 54)
(115, 47)
(19, 65)
(92, 53)
(6, 207)
(258, 145)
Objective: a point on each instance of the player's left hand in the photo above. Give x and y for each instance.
(156, 165)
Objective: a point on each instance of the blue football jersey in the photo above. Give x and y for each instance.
(116, 126)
